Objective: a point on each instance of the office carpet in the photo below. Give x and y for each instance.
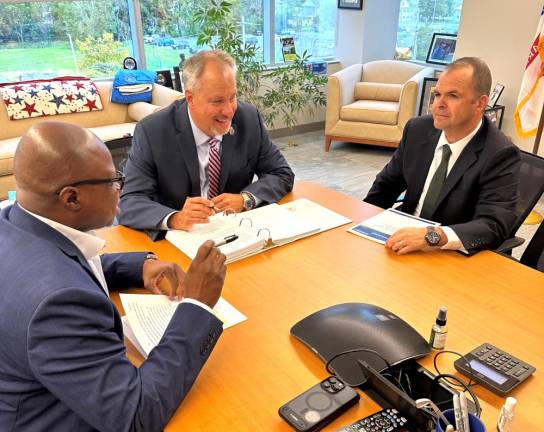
(350, 168)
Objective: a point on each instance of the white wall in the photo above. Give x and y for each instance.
(368, 34)
(501, 32)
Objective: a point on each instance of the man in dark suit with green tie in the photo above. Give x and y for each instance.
(456, 167)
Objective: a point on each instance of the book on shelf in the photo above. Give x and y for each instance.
(147, 316)
(379, 228)
(258, 229)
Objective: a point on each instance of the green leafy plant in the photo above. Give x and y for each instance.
(101, 55)
(280, 93)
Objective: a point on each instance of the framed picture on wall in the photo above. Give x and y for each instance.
(350, 4)
(442, 48)
(427, 95)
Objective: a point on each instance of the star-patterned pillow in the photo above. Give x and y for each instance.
(64, 95)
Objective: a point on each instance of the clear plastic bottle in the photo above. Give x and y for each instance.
(506, 416)
(439, 331)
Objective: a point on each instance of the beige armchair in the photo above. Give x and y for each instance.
(370, 103)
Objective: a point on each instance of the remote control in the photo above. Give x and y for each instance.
(387, 420)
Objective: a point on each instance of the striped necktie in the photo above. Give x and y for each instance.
(214, 168)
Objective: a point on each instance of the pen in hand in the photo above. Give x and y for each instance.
(227, 239)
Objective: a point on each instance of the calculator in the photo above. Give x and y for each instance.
(494, 368)
(387, 420)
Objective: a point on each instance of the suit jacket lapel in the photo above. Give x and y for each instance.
(187, 146)
(424, 158)
(227, 151)
(35, 226)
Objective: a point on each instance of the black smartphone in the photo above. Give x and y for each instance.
(319, 405)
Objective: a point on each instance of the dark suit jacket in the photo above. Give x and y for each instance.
(162, 167)
(62, 359)
(480, 193)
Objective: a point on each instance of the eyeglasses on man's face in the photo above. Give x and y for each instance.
(118, 182)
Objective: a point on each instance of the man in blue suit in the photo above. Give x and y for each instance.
(173, 181)
(62, 359)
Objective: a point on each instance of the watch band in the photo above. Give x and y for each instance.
(151, 256)
(249, 200)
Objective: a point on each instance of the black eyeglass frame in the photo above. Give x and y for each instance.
(119, 179)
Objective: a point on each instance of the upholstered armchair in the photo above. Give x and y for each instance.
(370, 103)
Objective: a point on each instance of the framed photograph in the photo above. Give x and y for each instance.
(495, 115)
(164, 78)
(350, 4)
(288, 50)
(442, 48)
(495, 95)
(427, 95)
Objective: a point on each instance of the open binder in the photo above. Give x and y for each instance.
(258, 229)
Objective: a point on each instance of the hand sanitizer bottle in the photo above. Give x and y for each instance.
(439, 331)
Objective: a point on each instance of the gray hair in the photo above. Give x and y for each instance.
(481, 75)
(194, 66)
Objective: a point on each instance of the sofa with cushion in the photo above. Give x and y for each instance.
(112, 122)
(370, 103)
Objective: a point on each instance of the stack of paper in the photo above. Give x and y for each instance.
(269, 226)
(380, 227)
(147, 317)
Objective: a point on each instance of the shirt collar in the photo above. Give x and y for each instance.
(87, 242)
(458, 145)
(200, 137)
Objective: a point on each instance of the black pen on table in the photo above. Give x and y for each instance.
(227, 239)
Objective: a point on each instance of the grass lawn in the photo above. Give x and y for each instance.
(55, 58)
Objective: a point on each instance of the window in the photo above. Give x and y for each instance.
(312, 24)
(419, 19)
(52, 38)
(46, 38)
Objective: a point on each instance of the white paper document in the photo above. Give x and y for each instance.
(279, 223)
(380, 227)
(147, 317)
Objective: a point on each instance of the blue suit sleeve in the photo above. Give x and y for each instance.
(139, 205)
(75, 353)
(275, 177)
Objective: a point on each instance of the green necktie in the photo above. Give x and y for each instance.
(436, 184)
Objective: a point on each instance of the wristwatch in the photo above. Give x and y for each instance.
(432, 237)
(151, 256)
(249, 200)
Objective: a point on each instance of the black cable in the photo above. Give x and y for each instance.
(356, 350)
(470, 382)
(462, 384)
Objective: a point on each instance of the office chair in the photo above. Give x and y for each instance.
(531, 188)
(533, 256)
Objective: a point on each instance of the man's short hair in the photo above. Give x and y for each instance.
(481, 75)
(194, 67)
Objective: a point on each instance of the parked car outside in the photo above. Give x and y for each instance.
(165, 41)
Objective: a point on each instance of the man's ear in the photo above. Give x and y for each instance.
(69, 196)
(482, 102)
(189, 96)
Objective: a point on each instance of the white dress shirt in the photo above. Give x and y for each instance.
(203, 153)
(88, 243)
(454, 243)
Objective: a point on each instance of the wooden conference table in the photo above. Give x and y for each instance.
(257, 366)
